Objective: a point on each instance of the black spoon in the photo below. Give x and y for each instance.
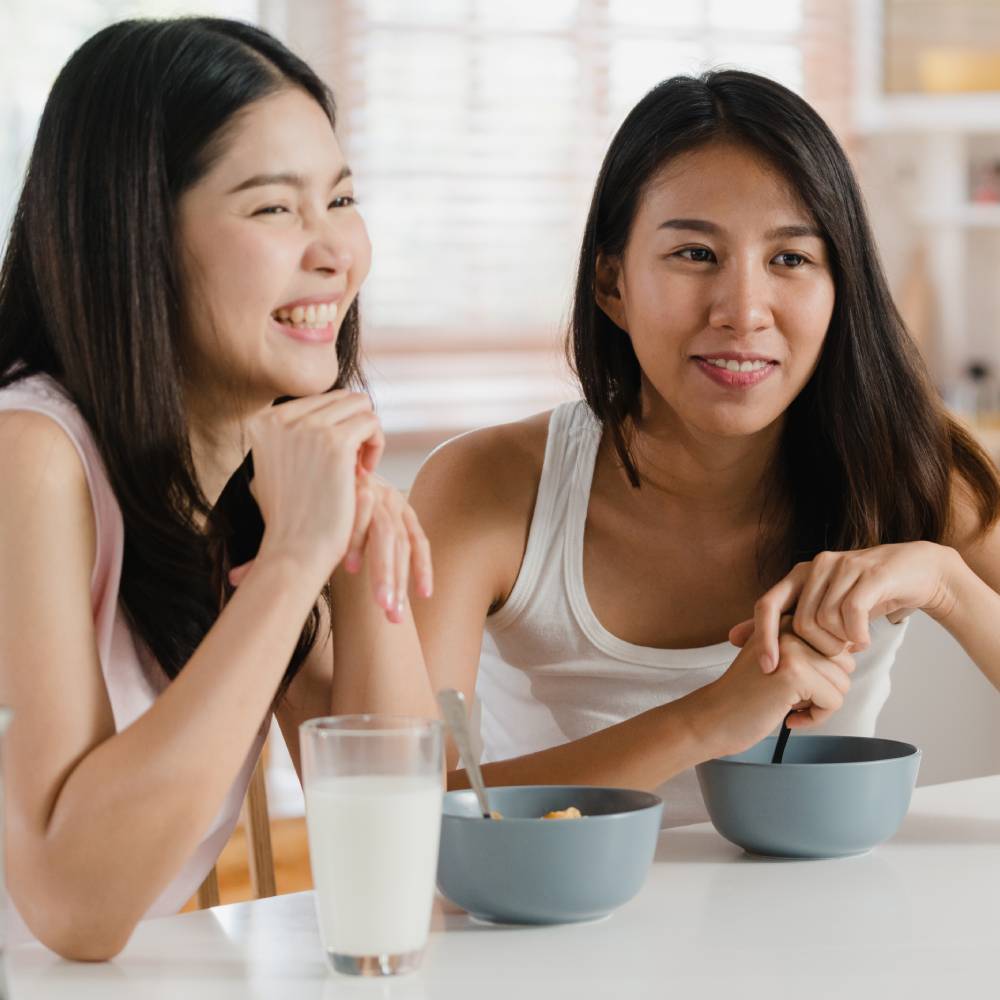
(779, 747)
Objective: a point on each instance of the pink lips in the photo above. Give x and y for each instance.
(736, 380)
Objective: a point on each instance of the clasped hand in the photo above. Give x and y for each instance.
(834, 597)
(322, 504)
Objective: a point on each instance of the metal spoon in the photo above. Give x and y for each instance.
(779, 747)
(452, 704)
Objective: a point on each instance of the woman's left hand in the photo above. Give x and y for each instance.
(388, 535)
(835, 596)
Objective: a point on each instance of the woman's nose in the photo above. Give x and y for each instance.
(328, 253)
(741, 303)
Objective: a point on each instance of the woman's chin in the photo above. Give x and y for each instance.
(307, 383)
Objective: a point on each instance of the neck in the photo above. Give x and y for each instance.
(705, 474)
(218, 442)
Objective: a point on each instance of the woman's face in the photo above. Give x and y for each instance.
(274, 252)
(725, 290)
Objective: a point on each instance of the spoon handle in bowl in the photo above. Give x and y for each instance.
(452, 704)
(779, 747)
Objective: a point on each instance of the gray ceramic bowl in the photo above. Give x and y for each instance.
(526, 870)
(831, 796)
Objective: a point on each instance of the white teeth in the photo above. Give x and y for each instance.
(738, 366)
(314, 317)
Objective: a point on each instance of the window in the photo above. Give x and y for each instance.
(36, 40)
(476, 128)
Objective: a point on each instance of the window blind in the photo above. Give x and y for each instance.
(475, 129)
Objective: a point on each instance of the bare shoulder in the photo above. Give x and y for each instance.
(484, 474)
(966, 530)
(38, 459)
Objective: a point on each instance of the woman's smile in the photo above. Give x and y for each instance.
(735, 371)
(310, 320)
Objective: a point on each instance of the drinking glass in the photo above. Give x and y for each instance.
(373, 791)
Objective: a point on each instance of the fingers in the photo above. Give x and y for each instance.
(388, 532)
(740, 634)
(805, 621)
(768, 610)
(381, 550)
(336, 403)
(238, 573)
(845, 608)
(420, 547)
(816, 684)
(401, 564)
(371, 451)
(362, 519)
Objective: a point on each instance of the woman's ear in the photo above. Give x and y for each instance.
(607, 290)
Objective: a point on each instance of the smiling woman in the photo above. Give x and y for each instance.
(751, 402)
(164, 284)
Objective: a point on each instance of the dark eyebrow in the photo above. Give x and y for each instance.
(703, 226)
(698, 225)
(791, 232)
(290, 179)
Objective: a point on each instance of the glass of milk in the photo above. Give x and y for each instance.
(373, 791)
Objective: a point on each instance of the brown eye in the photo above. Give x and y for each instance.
(791, 260)
(699, 255)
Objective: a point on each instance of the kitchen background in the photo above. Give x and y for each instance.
(475, 130)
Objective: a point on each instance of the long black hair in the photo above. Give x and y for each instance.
(867, 450)
(91, 294)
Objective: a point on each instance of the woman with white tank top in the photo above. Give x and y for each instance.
(758, 486)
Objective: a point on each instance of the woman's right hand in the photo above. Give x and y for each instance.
(307, 456)
(737, 711)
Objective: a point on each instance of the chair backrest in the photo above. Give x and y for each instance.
(259, 855)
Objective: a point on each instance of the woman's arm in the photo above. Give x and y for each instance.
(380, 665)
(972, 604)
(98, 822)
(835, 596)
(474, 498)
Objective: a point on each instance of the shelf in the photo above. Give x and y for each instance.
(971, 216)
(928, 113)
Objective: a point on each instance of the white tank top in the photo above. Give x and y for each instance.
(550, 673)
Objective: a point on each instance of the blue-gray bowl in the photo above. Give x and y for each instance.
(831, 796)
(526, 870)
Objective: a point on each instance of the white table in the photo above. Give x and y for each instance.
(918, 917)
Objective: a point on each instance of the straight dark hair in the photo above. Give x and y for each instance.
(91, 291)
(867, 450)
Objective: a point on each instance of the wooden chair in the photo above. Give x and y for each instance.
(258, 831)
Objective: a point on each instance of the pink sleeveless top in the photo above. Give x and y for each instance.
(133, 679)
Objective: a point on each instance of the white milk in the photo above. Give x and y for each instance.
(373, 843)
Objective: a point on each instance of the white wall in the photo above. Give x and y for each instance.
(942, 703)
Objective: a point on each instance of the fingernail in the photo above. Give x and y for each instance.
(400, 605)
(385, 597)
(426, 589)
(353, 562)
